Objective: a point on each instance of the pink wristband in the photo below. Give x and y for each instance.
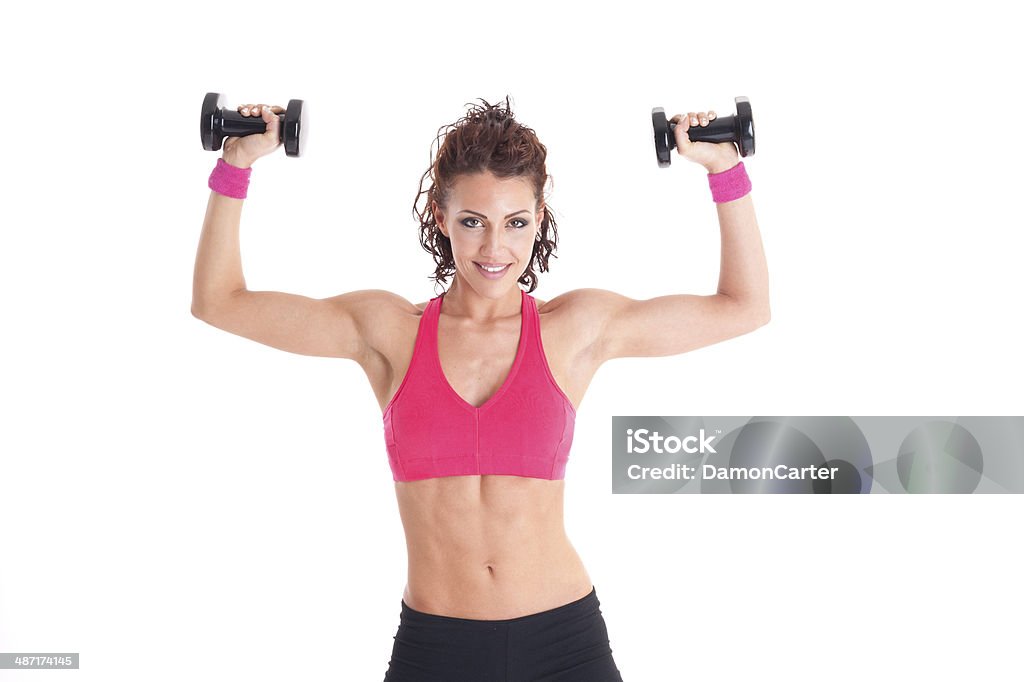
(729, 185)
(231, 181)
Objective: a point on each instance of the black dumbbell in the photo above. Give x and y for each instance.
(216, 123)
(738, 128)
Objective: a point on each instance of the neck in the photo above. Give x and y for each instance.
(462, 300)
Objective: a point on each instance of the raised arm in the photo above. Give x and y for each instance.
(341, 326)
(669, 325)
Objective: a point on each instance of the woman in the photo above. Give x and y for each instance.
(479, 386)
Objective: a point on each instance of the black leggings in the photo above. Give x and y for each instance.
(564, 644)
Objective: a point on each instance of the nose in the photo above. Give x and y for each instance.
(494, 241)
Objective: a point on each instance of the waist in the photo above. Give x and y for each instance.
(586, 605)
(526, 583)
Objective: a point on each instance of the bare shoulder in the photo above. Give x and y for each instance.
(380, 318)
(583, 302)
(366, 302)
(580, 316)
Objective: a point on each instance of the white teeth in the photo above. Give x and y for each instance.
(493, 269)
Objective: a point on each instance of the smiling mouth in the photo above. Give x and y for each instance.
(492, 268)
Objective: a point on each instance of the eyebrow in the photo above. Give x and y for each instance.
(483, 216)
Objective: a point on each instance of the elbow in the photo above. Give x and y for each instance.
(206, 304)
(756, 312)
(202, 308)
(759, 315)
(764, 315)
(198, 310)
(761, 308)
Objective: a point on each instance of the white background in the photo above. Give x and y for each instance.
(180, 503)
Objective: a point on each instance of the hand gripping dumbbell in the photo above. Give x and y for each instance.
(216, 123)
(738, 128)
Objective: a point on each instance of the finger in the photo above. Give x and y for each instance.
(273, 123)
(712, 115)
(693, 118)
(681, 120)
(682, 139)
(244, 109)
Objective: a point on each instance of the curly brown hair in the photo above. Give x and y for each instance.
(487, 138)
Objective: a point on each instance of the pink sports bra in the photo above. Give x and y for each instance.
(525, 429)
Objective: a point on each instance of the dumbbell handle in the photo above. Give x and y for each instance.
(235, 124)
(718, 130)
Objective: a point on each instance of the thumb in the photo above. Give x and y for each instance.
(682, 133)
(273, 123)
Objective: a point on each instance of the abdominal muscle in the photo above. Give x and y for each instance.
(488, 547)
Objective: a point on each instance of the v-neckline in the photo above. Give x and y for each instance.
(511, 373)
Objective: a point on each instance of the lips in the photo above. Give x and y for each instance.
(492, 275)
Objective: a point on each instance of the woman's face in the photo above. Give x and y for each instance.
(490, 222)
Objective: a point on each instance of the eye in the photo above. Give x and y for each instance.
(523, 223)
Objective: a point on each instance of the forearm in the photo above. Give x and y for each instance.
(744, 270)
(218, 266)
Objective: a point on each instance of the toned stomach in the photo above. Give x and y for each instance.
(488, 547)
